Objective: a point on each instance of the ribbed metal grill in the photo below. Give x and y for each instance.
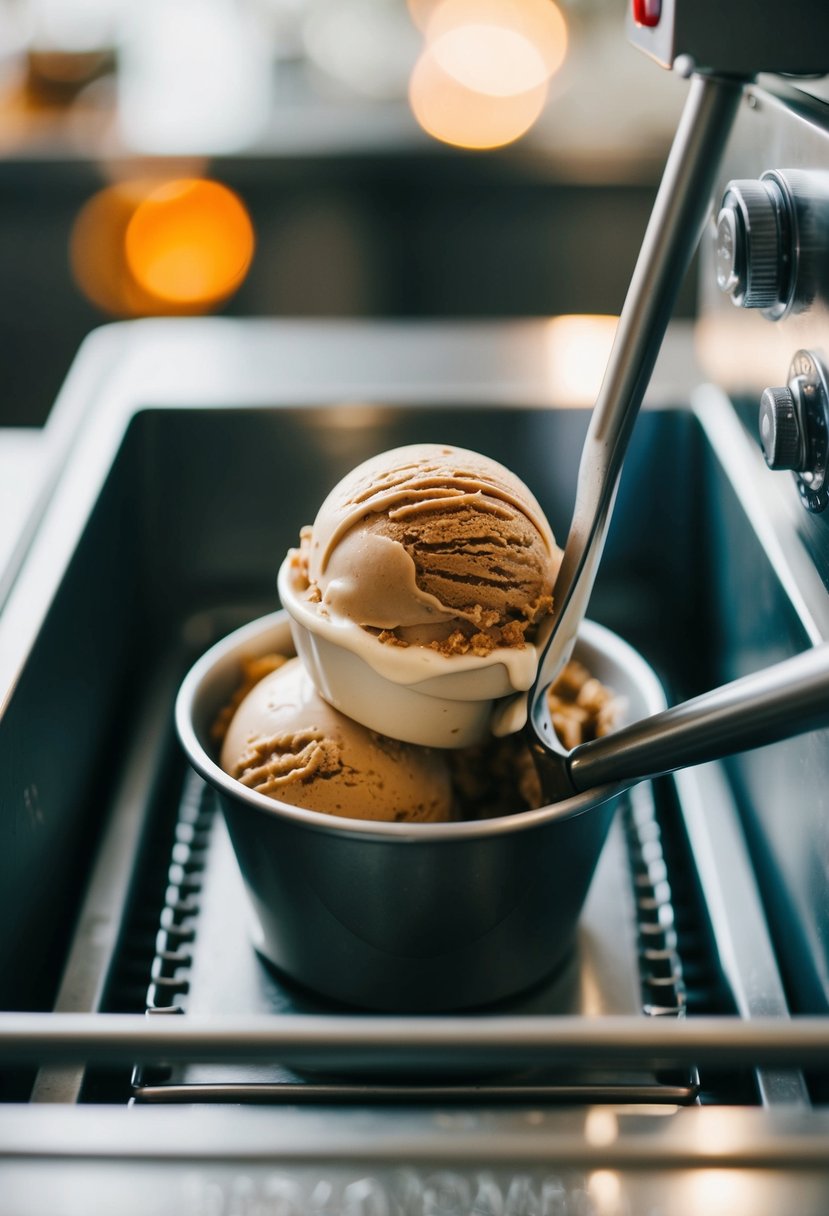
(183, 938)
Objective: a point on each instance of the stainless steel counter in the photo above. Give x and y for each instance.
(338, 387)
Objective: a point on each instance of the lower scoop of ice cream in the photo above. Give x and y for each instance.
(286, 742)
(433, 545)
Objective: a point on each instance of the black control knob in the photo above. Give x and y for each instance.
(780, 431)
(753, 250)
(794, 429)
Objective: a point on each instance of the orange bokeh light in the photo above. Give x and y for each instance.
(482, 79)
(458, 115)
(147, 248)
(490, 60)
(578, 349)
(96, 251)
(190, 242)
(532, 36)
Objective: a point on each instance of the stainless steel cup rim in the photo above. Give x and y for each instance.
(217, 665)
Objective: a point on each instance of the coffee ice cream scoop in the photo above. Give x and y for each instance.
(429, 543)
(286, 742)
(418, 595)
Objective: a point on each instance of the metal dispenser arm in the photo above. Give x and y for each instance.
(680, 210)
(723, 50)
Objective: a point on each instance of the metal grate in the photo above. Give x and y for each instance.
(660, 965)
(179, 917)
(197, 868)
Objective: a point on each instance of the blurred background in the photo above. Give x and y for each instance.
(345, 158)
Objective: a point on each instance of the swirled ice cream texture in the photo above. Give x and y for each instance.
(287, 743)
(433, 545)
(284, 741)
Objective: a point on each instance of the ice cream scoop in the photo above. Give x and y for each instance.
(419, 595)
(286, 742)
(429, 542)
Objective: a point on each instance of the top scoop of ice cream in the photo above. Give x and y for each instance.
(287, 743)
(417, 599)
(433, 545)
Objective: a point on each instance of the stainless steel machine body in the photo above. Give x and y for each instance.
(680, 1061)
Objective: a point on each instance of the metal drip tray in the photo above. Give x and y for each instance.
(190, 454)
(205, 963)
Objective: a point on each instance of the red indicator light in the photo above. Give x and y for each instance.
(647, 12)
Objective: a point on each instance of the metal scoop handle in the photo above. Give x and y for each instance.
(787, 699)
(672, 235)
